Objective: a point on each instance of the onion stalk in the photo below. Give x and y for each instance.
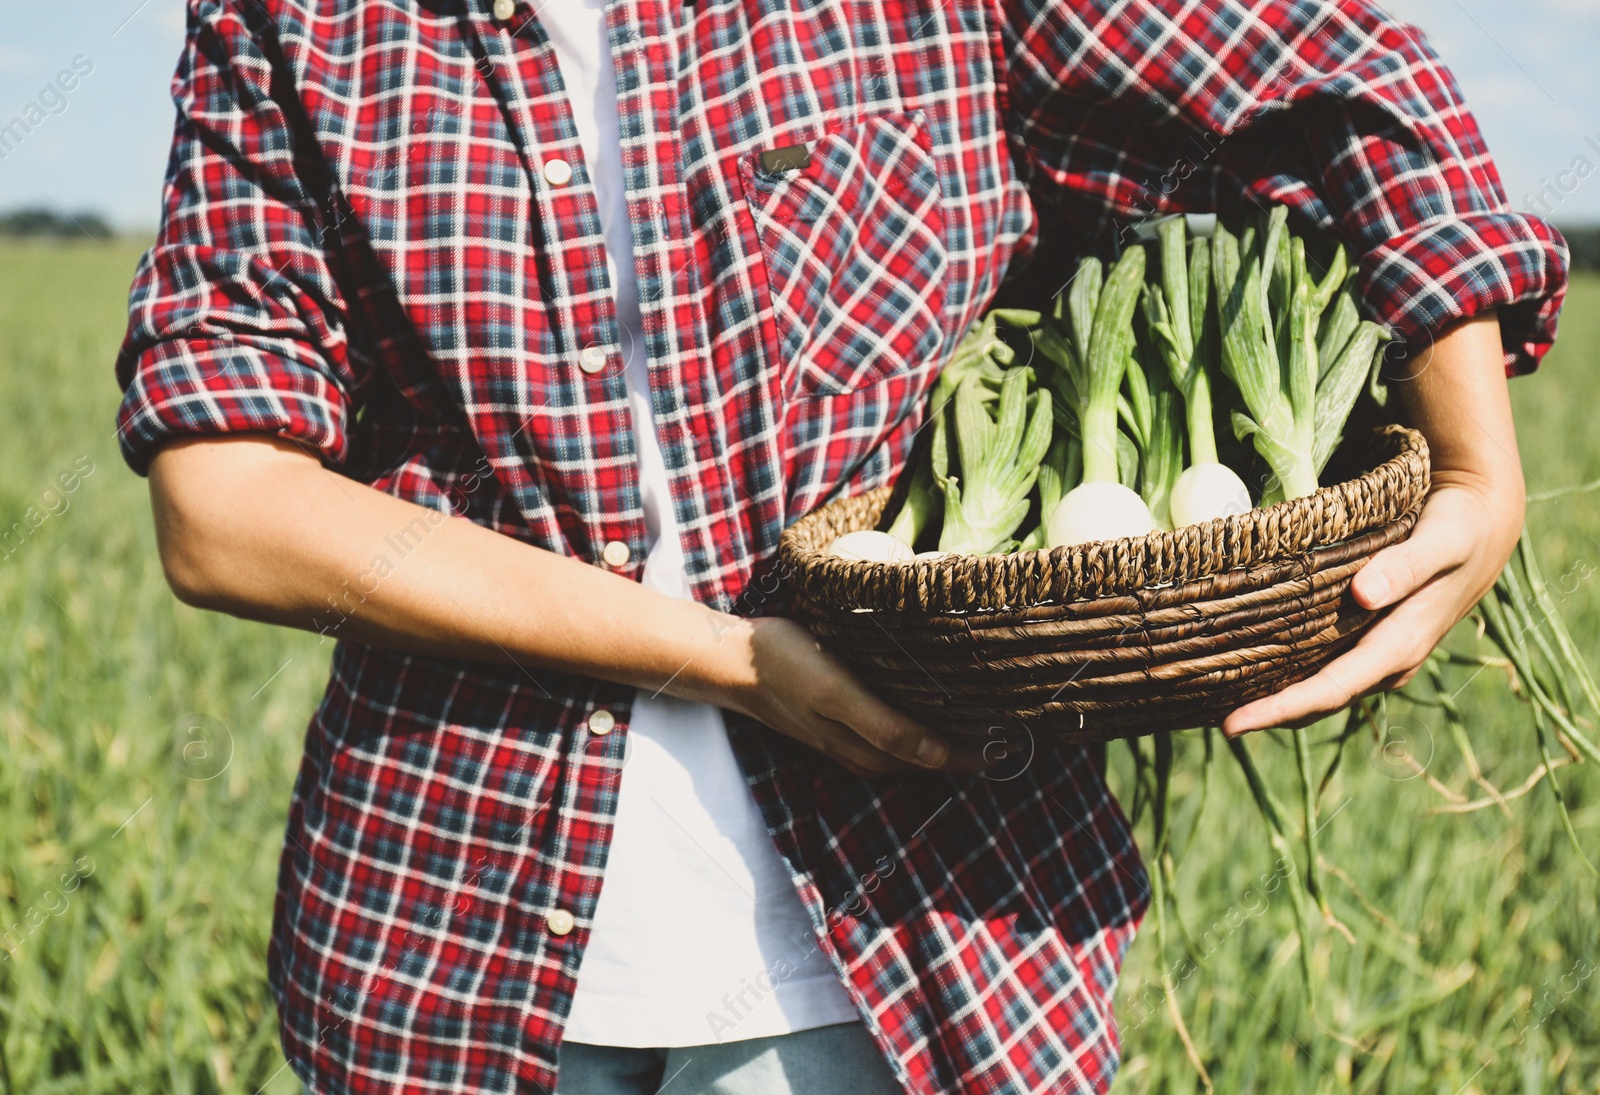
(1094, 359)
(1278, 392)
(981, 354)
(1153, 415)
(1299, 381)
(1207, 489)
(1000, 458)
(1060, 472)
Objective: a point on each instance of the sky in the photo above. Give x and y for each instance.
(106, 151)
(1530, 70)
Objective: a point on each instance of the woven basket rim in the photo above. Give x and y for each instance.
(1395, 487)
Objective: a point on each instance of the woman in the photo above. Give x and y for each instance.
(500, 344)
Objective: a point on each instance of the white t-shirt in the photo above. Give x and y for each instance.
(699, 936)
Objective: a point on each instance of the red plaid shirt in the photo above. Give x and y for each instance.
(362, 250)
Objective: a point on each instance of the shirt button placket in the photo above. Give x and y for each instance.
(568, 198)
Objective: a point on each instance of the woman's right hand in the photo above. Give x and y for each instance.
(776, 671)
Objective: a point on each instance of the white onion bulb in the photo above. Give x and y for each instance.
(1098, 511)
(1205, 492)
(871, 547)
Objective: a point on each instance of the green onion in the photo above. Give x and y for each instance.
(1278, 390)
(1093, 362)
(1000, 458)
(1060, 472)
(1207, 489)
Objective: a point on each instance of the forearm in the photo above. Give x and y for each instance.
(1456, 394)
(256, 528)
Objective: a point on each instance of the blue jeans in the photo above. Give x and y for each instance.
(827, 1060)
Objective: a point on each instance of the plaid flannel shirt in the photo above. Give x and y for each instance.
(362, 250)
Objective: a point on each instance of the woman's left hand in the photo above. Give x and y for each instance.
(1456, 395)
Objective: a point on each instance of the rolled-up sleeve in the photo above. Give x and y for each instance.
(235, 321)
(1125, 110)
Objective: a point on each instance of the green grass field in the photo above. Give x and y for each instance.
(148, 751)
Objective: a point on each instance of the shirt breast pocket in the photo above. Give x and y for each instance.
(853, 247)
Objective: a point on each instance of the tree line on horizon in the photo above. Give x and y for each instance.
(41, 223)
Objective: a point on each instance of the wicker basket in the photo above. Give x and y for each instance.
(1112, 639)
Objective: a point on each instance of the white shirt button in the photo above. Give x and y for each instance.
(504, 9)
(616, 554)
(602, 722)
(560, 922)
(593, 359)
(557, 172)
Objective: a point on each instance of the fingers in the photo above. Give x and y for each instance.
(1397, 681)
(1386, 657)
(969, 759)
(840, 744)
(834, 713)
(1441, 541)
(883, 728)
(1428, 573)
(857, 755)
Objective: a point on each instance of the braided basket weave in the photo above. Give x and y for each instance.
(1112, 639)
